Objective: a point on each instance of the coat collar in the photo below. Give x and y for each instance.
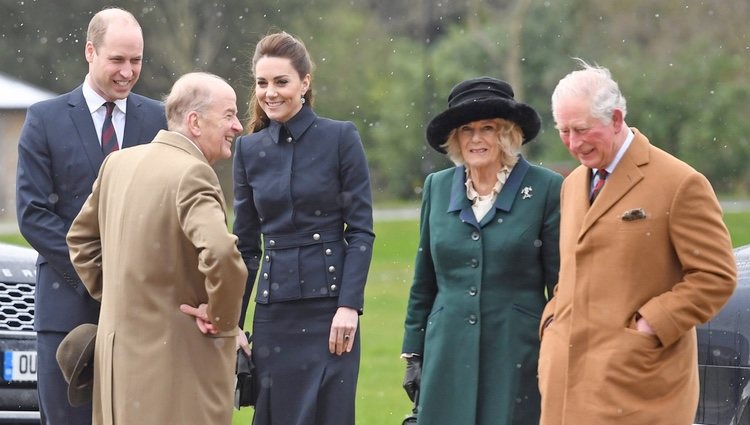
(504, 201)
(179, 141)
(296, 126)
(623, 179)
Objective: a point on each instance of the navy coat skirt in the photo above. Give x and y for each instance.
(300, 381)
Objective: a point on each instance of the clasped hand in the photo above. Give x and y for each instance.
(205, 326)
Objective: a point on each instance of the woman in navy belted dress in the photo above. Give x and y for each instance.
(303, 215)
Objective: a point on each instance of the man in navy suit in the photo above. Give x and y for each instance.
(59, 154)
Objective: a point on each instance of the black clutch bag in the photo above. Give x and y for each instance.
(245, 391)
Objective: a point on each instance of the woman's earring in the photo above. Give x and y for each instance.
(303, 100)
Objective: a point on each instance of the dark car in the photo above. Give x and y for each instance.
(724, 356)
(18, 396)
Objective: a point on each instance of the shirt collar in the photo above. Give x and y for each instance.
(620, 153)
(94, 101)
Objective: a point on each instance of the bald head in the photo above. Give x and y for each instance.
(203, 108)
(191, 92)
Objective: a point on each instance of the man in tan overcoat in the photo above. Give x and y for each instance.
(640, 266)
(152, 237)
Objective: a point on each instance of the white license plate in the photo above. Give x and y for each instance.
(19, 366)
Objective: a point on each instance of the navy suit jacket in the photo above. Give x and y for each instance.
(59, 156)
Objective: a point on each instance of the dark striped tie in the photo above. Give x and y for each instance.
(109, 138)
(602, 173)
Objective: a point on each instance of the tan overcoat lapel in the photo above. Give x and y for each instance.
(625, 177)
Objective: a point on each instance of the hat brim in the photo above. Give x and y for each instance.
(77, 350)
(81, 385)
(523, 115)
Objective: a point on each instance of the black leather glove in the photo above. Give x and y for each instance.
(413, 376)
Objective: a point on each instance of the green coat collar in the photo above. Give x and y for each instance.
(504, 201)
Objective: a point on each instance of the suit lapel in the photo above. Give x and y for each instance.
(81, 117)
(459, 201)
(133, 123)
(625, 177)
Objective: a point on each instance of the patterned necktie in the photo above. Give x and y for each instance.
(109, 138)
(602, 173)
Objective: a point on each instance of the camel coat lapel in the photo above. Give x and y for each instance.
(625, 177)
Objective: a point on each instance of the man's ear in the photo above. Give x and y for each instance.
(193, 123)
(617, 119)
(89, 50)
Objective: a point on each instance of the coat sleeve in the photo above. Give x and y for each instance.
(424, 285)
(84, 241)
(550, 236)
(246, 226)
(202, 217)
(703, 248)
(356, 205)
(549, 309)
(36, 200)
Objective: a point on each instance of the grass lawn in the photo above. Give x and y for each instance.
(380, 399)
(739, 227)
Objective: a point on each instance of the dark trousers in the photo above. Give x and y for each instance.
(53, 390)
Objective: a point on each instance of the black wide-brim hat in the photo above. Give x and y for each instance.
(480, 99)
(75, 356)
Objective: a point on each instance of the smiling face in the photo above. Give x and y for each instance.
(218, 125)
(279, 88)
(593, 142)
(115, 65)
(479, 143)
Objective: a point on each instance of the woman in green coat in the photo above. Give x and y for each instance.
(488, 258)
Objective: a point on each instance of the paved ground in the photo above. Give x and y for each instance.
(393, 214)
(736, 206)
(7, 227)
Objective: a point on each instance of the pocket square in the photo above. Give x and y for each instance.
(634, 214)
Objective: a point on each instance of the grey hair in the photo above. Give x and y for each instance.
(593, 83)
